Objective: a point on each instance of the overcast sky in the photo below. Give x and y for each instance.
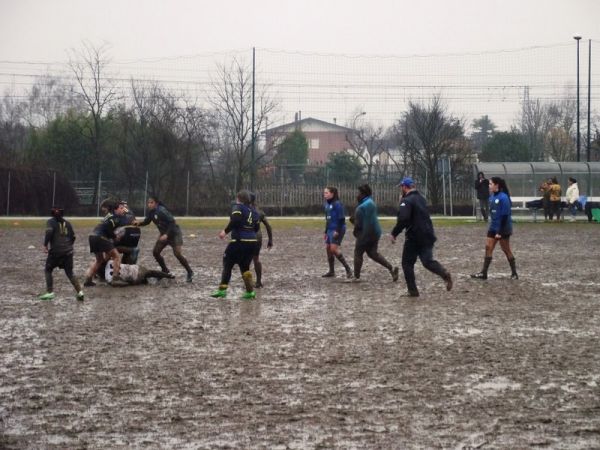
(43, 30)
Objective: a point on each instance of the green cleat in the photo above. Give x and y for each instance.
(80, 296)
(47, 296)
(219, 293)
(249, 295)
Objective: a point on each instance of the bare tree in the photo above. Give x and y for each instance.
(232, 100)
(51, 97)
(428, 134)
(97, 91)
(366, 141)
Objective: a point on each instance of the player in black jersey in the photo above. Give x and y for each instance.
(58, 244)
(262, 218)
(170, 234)
(243, 225)
(102, 241)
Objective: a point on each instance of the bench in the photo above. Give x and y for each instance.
(534, 205)
(530, 204)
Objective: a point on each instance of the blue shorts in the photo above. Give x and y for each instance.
(337, 240)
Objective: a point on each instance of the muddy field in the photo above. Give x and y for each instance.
(312, 362)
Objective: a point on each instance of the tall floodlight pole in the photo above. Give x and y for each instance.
(589, 99)
(578, 38)
(253, 137)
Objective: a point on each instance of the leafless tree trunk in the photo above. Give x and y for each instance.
(232, 100)
(97, 91)
(428, 134)
(366, 141)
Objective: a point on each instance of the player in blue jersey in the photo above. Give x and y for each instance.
(243, 225)
(335, 228)
(500, 228)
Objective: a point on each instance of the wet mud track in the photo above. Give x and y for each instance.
(311, 362)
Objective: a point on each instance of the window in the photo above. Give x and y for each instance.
(314, 144)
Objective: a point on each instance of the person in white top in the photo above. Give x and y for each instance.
(573, 197)
(133, 274)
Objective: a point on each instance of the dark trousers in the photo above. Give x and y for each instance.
(370, 248)
(411, 252)
(588, 209)
(484, 206)
(239, 253)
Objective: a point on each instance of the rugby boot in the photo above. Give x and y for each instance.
(513, 267)
(394, 273)
(88, 282)
(341, 259)
(411, 293)
(190, 277)
(330, 261)
(249, 295)
(80, 296)
(47, 296)
(258, 270)
(484, 272)
(448, 279)
(219, 293)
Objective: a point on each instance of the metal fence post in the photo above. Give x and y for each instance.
(8, 196)
(99, 194)
(54, 189)
(187, 196)
(145, 193)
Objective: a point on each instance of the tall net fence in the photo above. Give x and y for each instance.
(189, 155)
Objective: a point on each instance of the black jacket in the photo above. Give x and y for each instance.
(483, 188)
(59, 236)
(413, 216)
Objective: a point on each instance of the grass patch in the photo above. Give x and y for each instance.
(216, 223)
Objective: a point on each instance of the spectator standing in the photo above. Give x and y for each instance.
(555, 194)
(545, 191)
(573, 198)
(482, 186)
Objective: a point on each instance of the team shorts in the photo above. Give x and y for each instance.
(175, 239)
(335, 240)
(492, 235)
(100, 244)
(61, 261)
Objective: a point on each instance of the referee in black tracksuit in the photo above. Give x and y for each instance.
(419, 237)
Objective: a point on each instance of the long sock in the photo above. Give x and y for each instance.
(161, 262)
(258, 270)
(49, 281)
(486, 264)
(184, 262)
(247, 277)
(341, 259)
(75, 282)
(513, 265)
(331, 261)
